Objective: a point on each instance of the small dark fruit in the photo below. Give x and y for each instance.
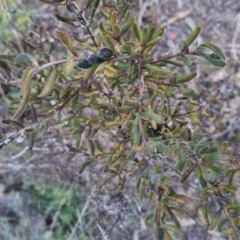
(84, 64)
(105, 53)
(94, 59)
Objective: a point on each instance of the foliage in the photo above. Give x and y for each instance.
(55, 199)
(57, 206)
(144, 104)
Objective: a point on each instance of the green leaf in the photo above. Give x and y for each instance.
(212, 47)
(144, 35)
(126, 26)
(26, 81)
(67, 42)
(127, 48)
(195, 119)
(136, 131)
(215, 219)
(186, 78)
(26, 92)
(161, 147)
(229, 189)
(137, 32)
(201, 178)
(22, 106)
(205, 214)
(194, 34)
(181, 162)
(177, 209)
(23, 57)
(70, 64)
(158, 33)
(221, 224)
(66, 19)
(211, 150)
(89, 72)
(173, 228)
(175, 220)
(153, 42)
(155, 68)
(98, 145)
(167, 236)
(213, 59)
(133, 78)
(215, 169)
(174, 63)
(148, 114)
(210, 157)
(160, 234)
(84, 165)
(48, 87)
(150, 33)
(186, 61)
(113, 19)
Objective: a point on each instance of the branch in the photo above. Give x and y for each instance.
(164, 58)
(50, 64)
(230, 222)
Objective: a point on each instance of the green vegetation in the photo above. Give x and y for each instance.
(109, 82)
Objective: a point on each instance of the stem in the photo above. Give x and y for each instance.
(50, 64)
(79, 12)
(171, 56)
(230, 222)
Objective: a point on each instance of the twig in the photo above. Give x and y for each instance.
(50, 64)
(180, 15)
(230, 222)
(79, 12)
(182, 53)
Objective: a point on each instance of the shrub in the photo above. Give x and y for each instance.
(110, 83)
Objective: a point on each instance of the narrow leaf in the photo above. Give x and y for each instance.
(136, 131)
(67, 42)
(113, 19)
(126, 26)
(26, 81)
(137, 32)
(174, 62)
(215, 219)
(23, 57)
(194, 34)
(89, 72)
(150, 33)
(22, 107)
(153, 42)
(48, 87)
(214, 48)
(157, 69)
(186, 78)
(167, 236)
